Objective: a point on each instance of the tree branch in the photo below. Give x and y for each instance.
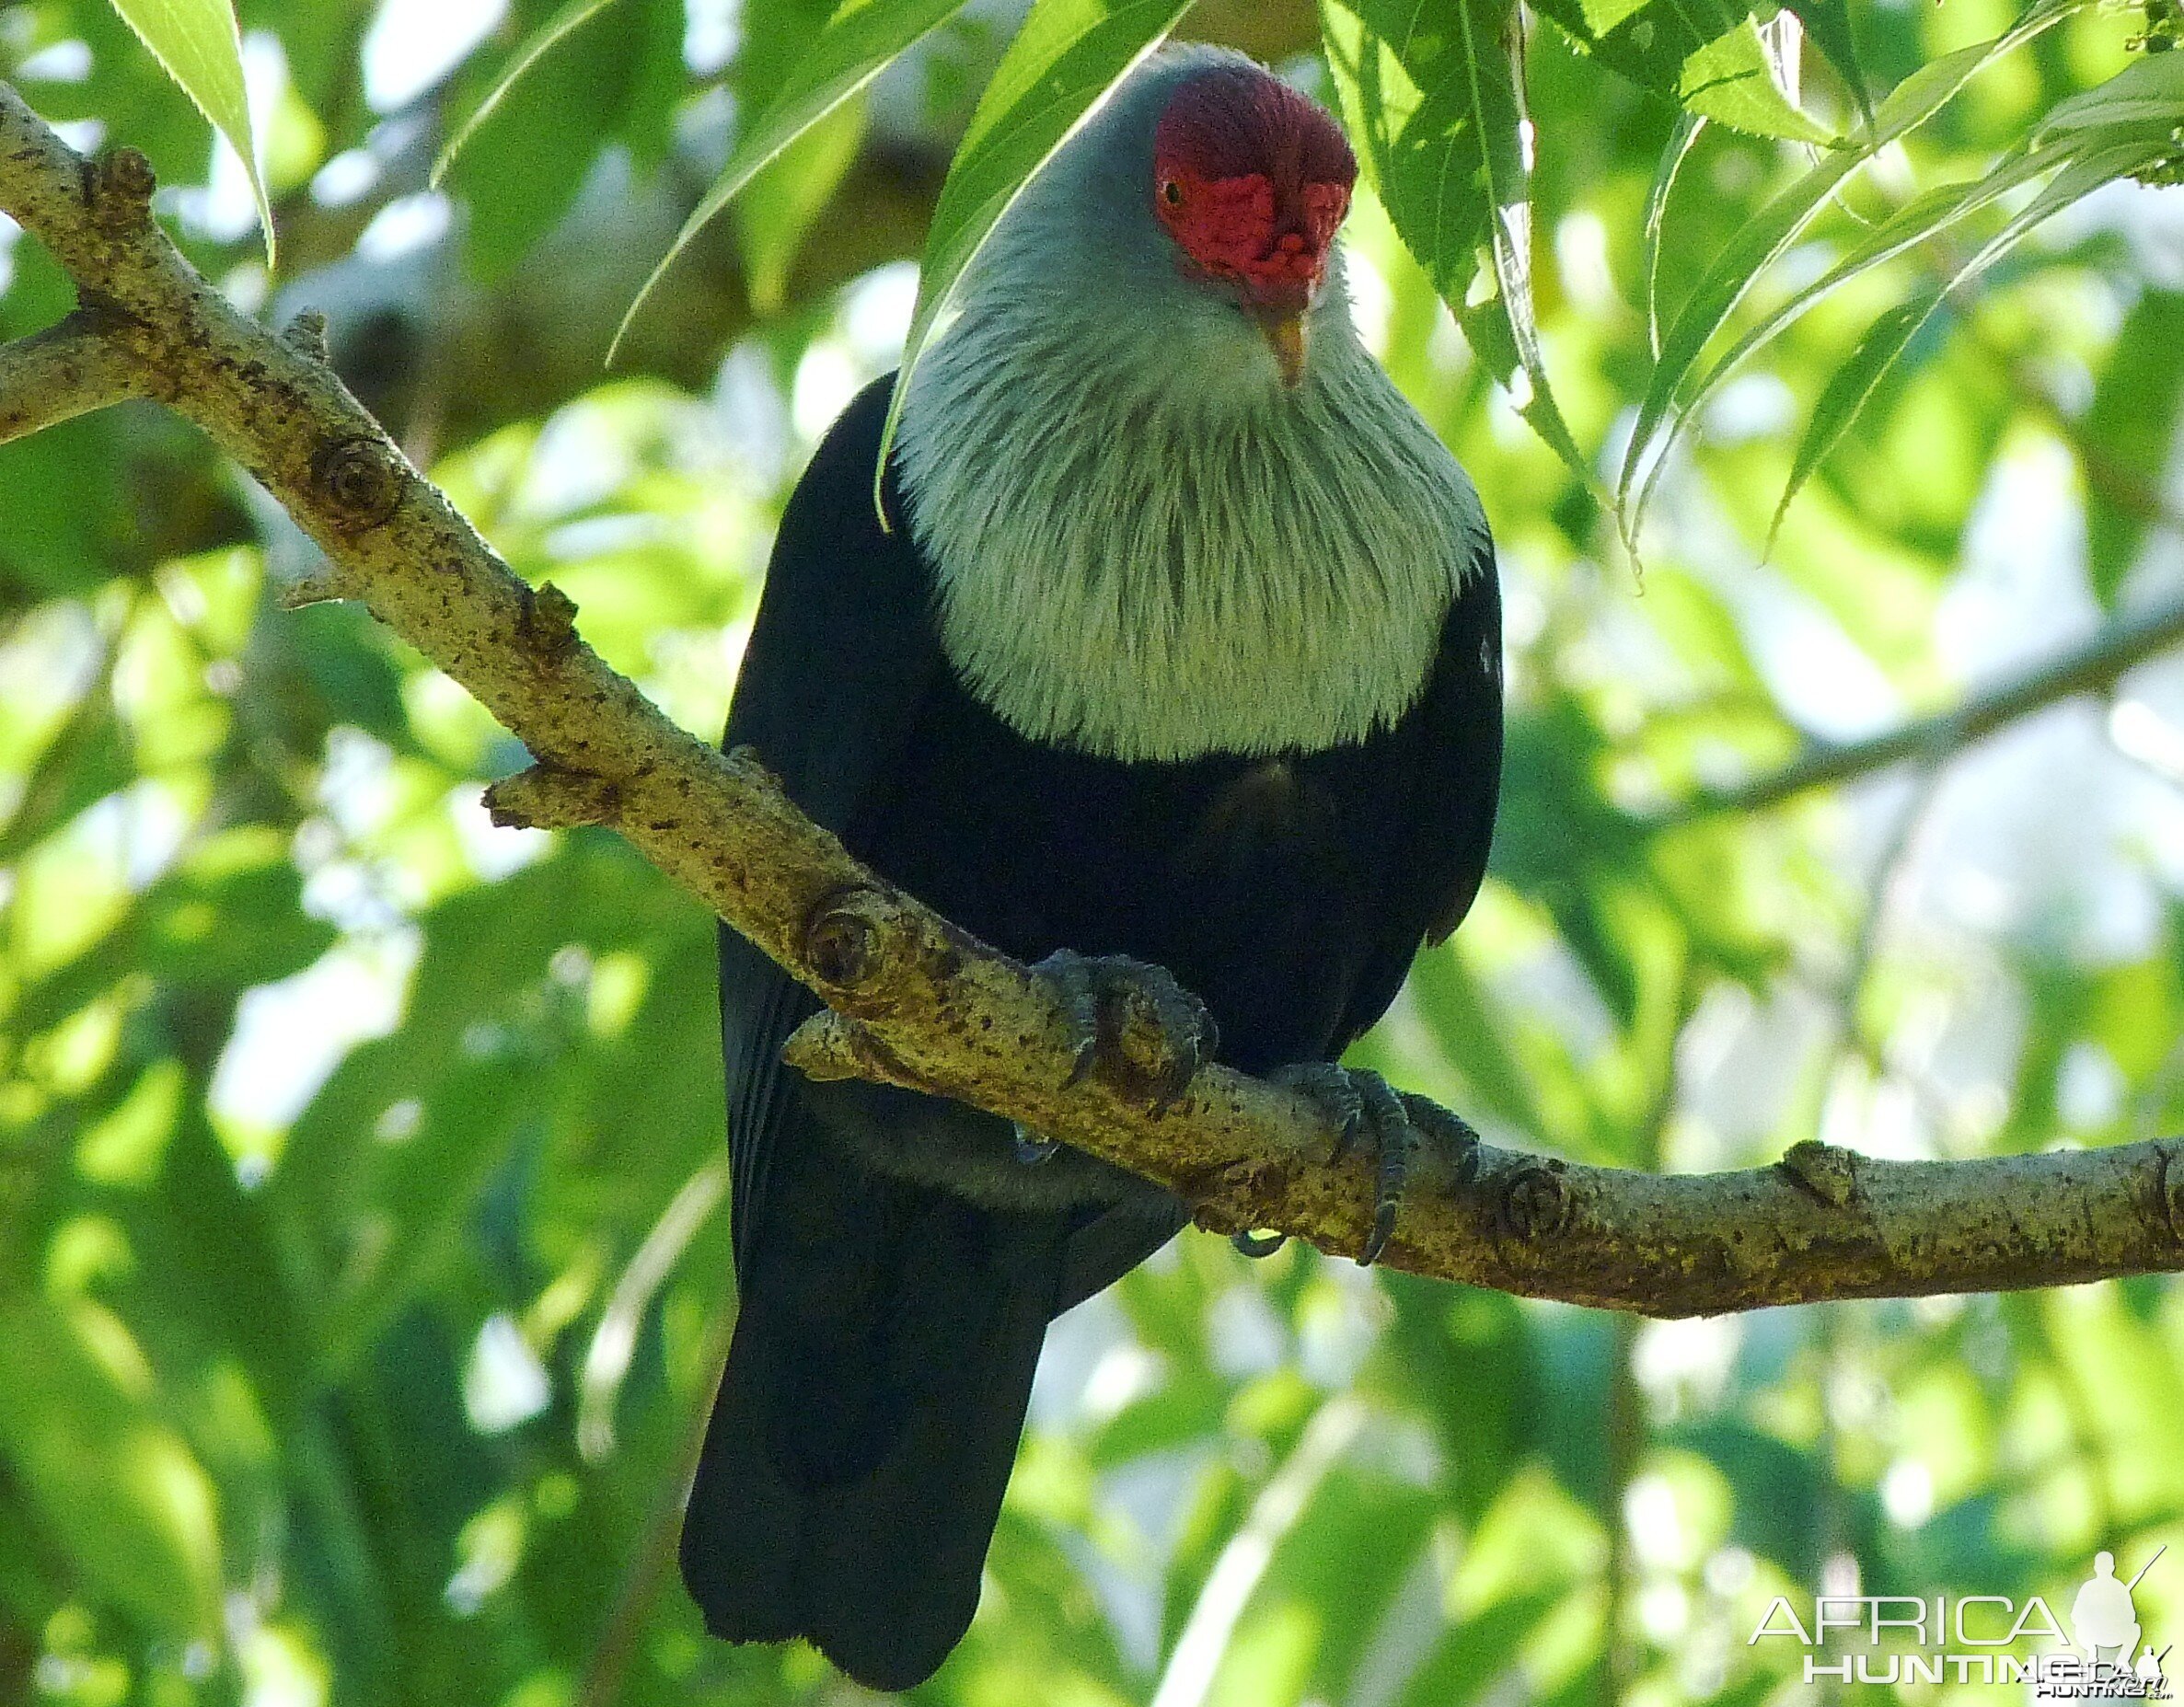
(917, 1001)
(2092, 666)
(67, 369)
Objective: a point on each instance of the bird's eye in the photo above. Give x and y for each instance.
(1171, 192)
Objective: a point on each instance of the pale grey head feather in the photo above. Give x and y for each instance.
(1146, 544)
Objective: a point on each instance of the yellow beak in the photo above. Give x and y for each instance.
(1285, 337)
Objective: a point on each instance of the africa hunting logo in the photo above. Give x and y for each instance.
(2104, 1655)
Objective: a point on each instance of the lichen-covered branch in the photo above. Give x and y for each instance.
(67, 369)
(914, 999)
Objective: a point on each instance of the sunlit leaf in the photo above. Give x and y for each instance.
(523, 172)
(231, 915)
(1436, 99)
(1707, 55)
(572, 17)
(1828, 23)
(199, 44)
(1732, 79)
(1768, 234)
(2150, 90)
(854, 47)
(110, 1481)
(2123, 439)
(1688, 126)
(1924, 217)
(777, 207)
(1861, 375)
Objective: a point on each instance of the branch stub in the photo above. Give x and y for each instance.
(322, 585)
(306, 334)
(548, 798)
(548, 621)
(1827, 1170)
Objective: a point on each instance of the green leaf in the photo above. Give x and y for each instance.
(2150, 90)
(1732, 79)
(67, 499)
(778, 206)
(1924, 217)
(565, 23)
(228, 916)
(197, 43)
(1828, 23)
(520, 175)
(2124, 437)
(1437, 100)
(116, 1486)
(1471, 1654)
(1885, 340)
(1068, 55)
(1768, 234)
(854, 47)
(1688, 126)
(1707, 55)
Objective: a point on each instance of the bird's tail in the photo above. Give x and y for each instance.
(867, 1419)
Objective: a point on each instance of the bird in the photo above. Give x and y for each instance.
(1169, 663)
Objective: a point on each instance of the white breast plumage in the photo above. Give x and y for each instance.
(1145, 546)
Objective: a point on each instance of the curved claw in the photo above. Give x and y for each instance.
(1187, 1029)
(1258, 1246)
(1360, 1103)
(1335, 1091)
(1086, 984)
(1394, 1136)
(1079, 996)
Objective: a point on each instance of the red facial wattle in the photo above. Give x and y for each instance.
(1273, 244)
(1252, 181)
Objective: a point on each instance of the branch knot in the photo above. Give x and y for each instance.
(547, 622)
(1535, 1202)
(841, 938)
(306, 334)
(362, 477)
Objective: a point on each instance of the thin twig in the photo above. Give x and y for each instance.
(2092, 666)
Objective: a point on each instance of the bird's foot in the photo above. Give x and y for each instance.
(1364, 1108)
(1031, 1148)
(1110, 1001)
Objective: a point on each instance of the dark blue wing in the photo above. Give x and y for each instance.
(1453, 744)
(842, 650)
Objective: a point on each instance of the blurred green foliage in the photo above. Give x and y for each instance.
(363, 1248)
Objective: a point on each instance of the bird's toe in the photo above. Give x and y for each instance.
(1364, 1109)
(1111, 1003)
